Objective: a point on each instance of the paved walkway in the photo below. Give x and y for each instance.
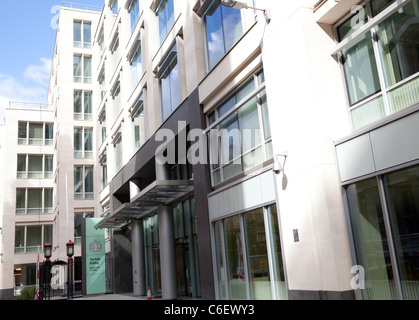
(122, 296)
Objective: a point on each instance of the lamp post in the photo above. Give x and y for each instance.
(47, 269)
(70, 254)
(242, 5)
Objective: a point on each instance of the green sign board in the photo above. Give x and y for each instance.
(95, 258)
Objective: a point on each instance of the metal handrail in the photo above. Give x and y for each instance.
(81, 6)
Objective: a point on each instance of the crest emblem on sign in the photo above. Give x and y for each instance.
(95, 246)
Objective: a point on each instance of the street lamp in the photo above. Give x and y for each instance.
(48, 250)
(47, 269)
(70, 249)
(242, 5)
(70, 254)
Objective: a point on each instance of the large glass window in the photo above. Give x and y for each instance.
(240, 136)
(223, 28)
(136, 65)
(166, 15)
(82, 105)
(249, 257)
(402, 191)
(118, 156)
(152, 254)
(83, 182)
(34, 166)
(29, 238)
(384, 211)
(186, 247)
(134, 11)
(83, 143)
(371, 240)
(170, 84)
(381, 67)
(33, 133)
(82, 34)
(82, 69)
(138, 119)
(34, 200)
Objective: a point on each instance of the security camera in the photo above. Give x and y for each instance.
(277, 168)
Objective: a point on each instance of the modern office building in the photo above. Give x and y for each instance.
(237, 153)
(27, 194)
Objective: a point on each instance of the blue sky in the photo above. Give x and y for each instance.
(28, 39)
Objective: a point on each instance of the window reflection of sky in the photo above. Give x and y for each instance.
(224, 27)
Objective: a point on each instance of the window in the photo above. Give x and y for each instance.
(248, 252)
(223, 26)
(82, 34)
(83, 143)
(34, 166)
(30, 133)
(114, 48)
(239, 132)
(384, 216)
(166, 16)
(381, 67)
(102, 124)
(136, 63)
(138, 119)
(82, 105)
(168, 75)
(118, 156)
(102, 84)
(34, 200)
(114, 7)
(103, 160)
(28, 238)
(116, 99)
(78, 216)
(134, 11)
(83, 182)
(82, 69)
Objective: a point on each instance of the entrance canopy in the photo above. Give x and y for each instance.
(147, 201)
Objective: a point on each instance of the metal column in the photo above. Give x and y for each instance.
(166, 240)
(138, 261)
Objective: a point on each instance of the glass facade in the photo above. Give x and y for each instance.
(170, 84)
(223, 26)
(27, 238)
(186, 251)
(249, 258)
(240, 135)
(166, 15)
(385, 224)
(382, 66)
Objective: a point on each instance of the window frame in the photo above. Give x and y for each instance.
(44, 238)
(265, 143)
(25, 210)
(83, 195)
(82, 43)
(83, 77)
(383, 95)
(26, 173)
(28, 140)
(83, 153)
(83, 115)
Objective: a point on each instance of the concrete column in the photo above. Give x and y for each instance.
(167, 253)
(134, 189)
(138, 261)
(167, 244)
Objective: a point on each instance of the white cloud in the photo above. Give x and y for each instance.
(39, 73)
(33, 87)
